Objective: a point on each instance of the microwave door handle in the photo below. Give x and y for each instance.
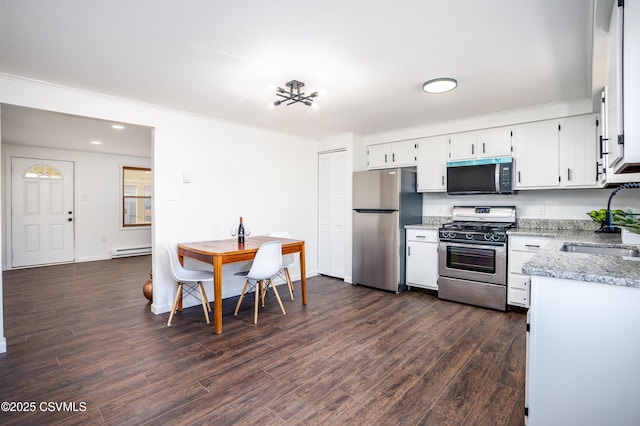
(497, 178)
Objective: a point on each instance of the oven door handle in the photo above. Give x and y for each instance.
(474, 244)
(498, 247)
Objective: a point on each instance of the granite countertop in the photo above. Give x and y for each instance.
(423, 226)
(551, 262)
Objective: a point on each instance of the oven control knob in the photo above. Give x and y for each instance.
(488, 237)
(469, 236)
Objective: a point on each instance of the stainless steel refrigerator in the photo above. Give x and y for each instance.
(384, 201)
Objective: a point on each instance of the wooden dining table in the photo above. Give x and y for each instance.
(219, 252)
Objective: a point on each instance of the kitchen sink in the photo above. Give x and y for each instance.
(596, 249)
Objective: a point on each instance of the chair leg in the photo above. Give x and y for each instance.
(203, 300)
(263, 291)
(175, 303)
(275, 290)
(257, 297)
(246, 283)
(206, 298)
(289, 283)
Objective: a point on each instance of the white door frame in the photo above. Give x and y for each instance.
(9, 201)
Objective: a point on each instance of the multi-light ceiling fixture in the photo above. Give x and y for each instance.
(294, 94)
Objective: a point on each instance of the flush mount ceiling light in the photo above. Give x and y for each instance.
(440, 85)
(294, 94)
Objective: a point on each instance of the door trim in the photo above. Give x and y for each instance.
(9, 209)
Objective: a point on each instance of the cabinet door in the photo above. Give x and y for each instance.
(404, 153)
(462, 146)
(578, 152)
(495, 142)
(518, 290)
(432, 164)
(422, 264)
(536, 155)
(379, 156)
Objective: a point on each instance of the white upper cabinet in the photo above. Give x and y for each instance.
(623, 88)
(495, 142)
(578, 152)
(395, 154)
(379, 156)
(432, 164)
(404, 153)
(557, 153)
(536, 155)
(463, 146)
(481, 144)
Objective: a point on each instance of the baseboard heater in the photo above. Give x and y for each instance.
(126, 252)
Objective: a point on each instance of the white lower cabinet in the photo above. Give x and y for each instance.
(422, 258)
(582, 354)
(521, 249)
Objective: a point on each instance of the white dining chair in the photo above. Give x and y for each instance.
(189, 280)
(288, 260)
(266, 264)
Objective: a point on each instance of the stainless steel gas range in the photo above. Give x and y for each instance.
(472, 256)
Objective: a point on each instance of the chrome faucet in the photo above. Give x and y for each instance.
(609, 216)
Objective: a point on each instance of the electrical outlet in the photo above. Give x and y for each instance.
(540, 209)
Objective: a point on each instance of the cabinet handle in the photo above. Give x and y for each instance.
(569, 175)
(385, 158)
(601, 145)
(483, 148)
(408, 250)
(518, 176)
(393, 157)
(473, 148)
(421, 236)
(442, 180)
(532, 245)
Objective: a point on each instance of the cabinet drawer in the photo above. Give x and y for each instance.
(519, 281)
(526, 243)
(423, 235)
(517, 296)
(517, 259)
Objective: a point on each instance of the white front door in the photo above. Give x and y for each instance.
(42, 217)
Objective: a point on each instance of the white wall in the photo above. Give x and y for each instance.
(97, 200)
(268, 177)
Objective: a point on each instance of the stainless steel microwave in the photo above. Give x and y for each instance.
(482, 176)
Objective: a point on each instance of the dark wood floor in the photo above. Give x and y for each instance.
(83, 333)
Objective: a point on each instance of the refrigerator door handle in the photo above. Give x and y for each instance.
(384, 211)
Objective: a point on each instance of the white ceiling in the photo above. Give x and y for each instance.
(224, 58)
(34, 127)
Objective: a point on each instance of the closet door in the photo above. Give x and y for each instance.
(331, 214)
